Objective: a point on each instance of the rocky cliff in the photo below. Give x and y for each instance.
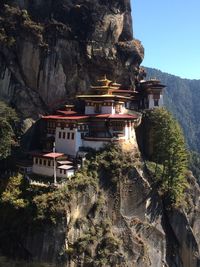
(50, 50)
(110, 214)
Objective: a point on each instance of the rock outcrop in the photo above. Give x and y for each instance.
(50, 50)
(110, 214)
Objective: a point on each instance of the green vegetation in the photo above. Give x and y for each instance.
(181, 97)
(23, 206)
(194, 165)
(169, 154)
(8, 120)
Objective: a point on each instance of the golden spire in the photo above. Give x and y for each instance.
(104, 81)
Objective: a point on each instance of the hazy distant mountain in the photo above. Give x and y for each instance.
(182, 98)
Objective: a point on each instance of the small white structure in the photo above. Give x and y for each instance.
(151, 94)
(43, 164)
(24, 166)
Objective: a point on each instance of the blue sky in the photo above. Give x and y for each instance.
(170, 33)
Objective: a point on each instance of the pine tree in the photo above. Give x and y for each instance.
(169, 150)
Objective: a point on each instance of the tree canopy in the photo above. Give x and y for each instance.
(168, 151)
(194, 164)
(8, 119)
(181, 97)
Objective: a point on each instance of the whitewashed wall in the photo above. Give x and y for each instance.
(49, 171)
(68, 146)
(89, 110)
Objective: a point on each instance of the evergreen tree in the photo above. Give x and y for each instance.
(194, 164)
(169, 150)
(8, 119)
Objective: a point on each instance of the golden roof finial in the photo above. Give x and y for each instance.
(104, 81)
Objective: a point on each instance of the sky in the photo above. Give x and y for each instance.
(170, 33)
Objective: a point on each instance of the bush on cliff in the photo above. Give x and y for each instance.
(169, 153)
(8, 119)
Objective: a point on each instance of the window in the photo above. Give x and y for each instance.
(68, 135)
(62, 125)
(72, 136)
(97, 108)
(64, 135)
(156, 102)
(40, 161)
(44, 162)
(60, 171)
(64, 171)
(49, 163)
(36, 161)
(59, 135)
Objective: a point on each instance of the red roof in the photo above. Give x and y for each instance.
(104, 116)
(114, 116)
(53, 155)
(66, 112)
(47, 155)
(69, 117)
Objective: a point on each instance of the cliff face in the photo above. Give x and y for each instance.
(49, 53)
(109, 218)
(55, 49)
(110, 214)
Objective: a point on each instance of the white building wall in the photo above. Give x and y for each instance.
(161, 102)
(68, 174)
(151, 101)
(46, 170)
(123, 109)
(67, 146)
(43, 170)
(79, 141)
(104, 110)
(129, 133)
(89, 110)
(49, 171)
(107, 110)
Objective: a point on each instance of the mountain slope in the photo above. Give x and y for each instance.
(182, 97)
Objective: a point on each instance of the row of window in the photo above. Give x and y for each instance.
(50, 131)
(44, 162)
(101, 104)
(65, 135)
(62, 171)
(97, 108)
(51, 124)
